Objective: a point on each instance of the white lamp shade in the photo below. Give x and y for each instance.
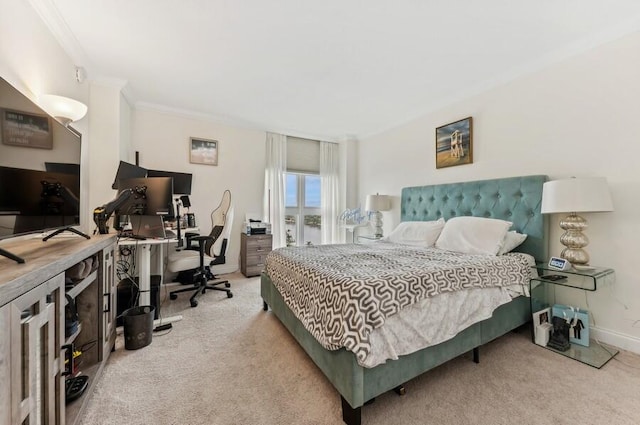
(590, 194)
(65, 109)
(378, 203)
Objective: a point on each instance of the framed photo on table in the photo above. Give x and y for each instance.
(542, 326)
(203, 151)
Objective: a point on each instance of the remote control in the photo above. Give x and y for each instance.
(74, 387)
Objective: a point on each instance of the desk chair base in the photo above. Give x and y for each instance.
(201, 288)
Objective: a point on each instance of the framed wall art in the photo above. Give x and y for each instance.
(203, 151)
(26, 129)
(454, 143)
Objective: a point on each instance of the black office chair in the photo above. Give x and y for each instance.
(197, 268)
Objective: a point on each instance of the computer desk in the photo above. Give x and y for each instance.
(143, 261)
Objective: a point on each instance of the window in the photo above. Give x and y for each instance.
(302, 209)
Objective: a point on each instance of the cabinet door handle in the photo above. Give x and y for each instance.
(68, 359)
(108, 295)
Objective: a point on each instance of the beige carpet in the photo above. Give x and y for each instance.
(229, 362)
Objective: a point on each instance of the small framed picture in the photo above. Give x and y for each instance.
(454, 143)
(542, 326)
(203, 151)
(541, 317)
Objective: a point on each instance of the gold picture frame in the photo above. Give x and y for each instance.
(203, 151)
(454, 143)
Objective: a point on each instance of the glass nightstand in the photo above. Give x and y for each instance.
(543, 295)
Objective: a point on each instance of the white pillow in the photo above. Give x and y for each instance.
(473, 235)
(511, 241)
(420, 233)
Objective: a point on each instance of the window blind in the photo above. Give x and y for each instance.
(303, 155)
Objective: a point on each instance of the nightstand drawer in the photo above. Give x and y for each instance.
(258, 242)
(253, 271)
(255, 259)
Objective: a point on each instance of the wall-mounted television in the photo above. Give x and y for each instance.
(39, 169)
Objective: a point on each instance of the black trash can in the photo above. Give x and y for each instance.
(138, 327)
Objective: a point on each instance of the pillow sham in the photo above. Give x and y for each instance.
(473, 235)
(511, 241)
(419, 233)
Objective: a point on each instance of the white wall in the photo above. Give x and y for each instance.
(162, 139)
(33, 62)
(576, 118)
(109, 132)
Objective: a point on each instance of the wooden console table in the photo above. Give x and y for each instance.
(32, 320)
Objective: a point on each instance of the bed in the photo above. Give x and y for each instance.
(516, 199)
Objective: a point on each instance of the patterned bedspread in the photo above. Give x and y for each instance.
(341, 293)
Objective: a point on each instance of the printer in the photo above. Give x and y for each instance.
(257, 227)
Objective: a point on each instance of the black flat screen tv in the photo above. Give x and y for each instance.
(39, 168)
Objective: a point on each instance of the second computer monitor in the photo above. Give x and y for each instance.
(150, 196)
(181, 181)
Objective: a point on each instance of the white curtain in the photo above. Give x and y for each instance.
(274, 178)
(329, 192)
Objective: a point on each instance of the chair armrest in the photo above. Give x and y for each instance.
(189, 237)
(201, 238)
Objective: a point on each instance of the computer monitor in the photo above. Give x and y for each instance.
(181, 181)
(128, 171)
(150, 196)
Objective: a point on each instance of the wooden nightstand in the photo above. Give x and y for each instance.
(253, 251)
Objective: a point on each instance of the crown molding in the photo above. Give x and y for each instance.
(52, 18)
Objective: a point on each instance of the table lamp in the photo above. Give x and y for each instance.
(375, 204)
(574, 195)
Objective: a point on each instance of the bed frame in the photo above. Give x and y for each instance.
(516, 199)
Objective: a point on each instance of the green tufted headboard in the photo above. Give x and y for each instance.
(516, 199)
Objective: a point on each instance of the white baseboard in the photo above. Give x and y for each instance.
(625, 342)
(226, 268)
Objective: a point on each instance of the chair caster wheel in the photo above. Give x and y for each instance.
(227, 285)
(229, 295)
(194, 303)
(173, 296)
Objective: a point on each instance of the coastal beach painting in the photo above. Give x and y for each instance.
(454, 143)
(203, 151)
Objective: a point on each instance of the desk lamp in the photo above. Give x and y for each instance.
(574, 195)
(375, 204)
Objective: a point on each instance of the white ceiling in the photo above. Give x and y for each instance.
(326, 69)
